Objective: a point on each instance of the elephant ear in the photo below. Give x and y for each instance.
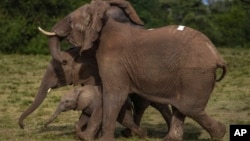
(81, 18)
(126, 6)
(79, 23)
(97, 12)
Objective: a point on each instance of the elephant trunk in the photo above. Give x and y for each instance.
(41, 95)
(54, 116)
(54, 47)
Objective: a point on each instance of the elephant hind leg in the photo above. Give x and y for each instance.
(175, 132)
(125, 118)
(165, 111)
(194, 98)
(82, 123)
(216, 129)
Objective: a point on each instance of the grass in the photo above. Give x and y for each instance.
(21, 75)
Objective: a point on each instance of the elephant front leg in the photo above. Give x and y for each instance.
(81, 124)
(112, 103)
(93, 125)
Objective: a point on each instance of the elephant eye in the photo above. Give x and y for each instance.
(67, 101)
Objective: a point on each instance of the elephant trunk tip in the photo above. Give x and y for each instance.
(61, 61)
(21, 125)
(45, 125)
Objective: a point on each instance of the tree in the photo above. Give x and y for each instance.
(225, 22)
(21, 19)
(232, 23)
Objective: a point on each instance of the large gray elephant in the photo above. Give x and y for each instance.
(171, 65)
(83, 70)
(58, 75)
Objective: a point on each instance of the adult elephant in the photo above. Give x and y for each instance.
(171, 65)
(83, 70)
(58, 75)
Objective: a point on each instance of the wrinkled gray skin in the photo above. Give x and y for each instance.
(167, 65)
(87, 99)
(84, 70)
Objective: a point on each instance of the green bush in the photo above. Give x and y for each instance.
(21, 19)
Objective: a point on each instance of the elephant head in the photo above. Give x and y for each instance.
(81, 27)
(79, 98)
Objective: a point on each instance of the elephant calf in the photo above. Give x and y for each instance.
(87, 99)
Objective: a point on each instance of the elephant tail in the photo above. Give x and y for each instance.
(224, 71)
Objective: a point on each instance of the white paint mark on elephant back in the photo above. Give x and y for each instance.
(181, 27)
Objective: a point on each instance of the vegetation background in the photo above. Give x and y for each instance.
(225, 22)
(24, 57)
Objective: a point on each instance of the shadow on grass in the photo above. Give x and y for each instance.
(61, 130)
(155, 131)
(159, 131)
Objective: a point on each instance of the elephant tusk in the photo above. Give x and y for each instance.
(49, 90)
(46, 32)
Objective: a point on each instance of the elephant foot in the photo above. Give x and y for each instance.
(129, 133)
(170, 138)
(77, 129)
(141, 133)
(219, 132)
(85, 136)
(174, 135)
(126, 133)
(106, 139)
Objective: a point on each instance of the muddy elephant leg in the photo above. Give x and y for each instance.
(216, 129)
(126, 119)
(82, 123)
(93, 125)
(175, 132)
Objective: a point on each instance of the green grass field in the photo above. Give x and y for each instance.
(20, 77)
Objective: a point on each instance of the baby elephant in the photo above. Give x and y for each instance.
(87, 99)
